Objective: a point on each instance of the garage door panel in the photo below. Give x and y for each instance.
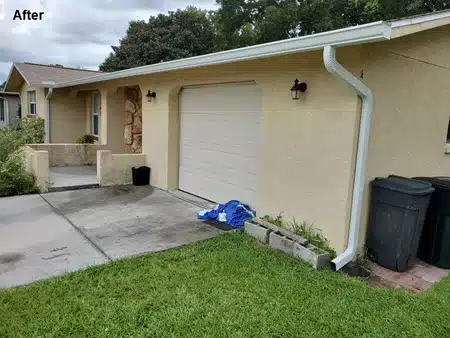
(219, 142)
(216, 149)
(222, 190)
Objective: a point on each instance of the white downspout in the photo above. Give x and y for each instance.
(47, 114)
(331, 64)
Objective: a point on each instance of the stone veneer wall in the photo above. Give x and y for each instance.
(133, 120)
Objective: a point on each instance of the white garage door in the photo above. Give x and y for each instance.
(219, 141)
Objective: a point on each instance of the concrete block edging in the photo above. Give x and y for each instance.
(288, 242)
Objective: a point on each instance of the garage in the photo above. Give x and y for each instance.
(220, 141)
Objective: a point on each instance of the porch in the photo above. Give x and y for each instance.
(74, 166)
(74, 177)
(113, 115)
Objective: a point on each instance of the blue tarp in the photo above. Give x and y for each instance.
(234, 213)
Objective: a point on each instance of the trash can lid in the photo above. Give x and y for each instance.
(404, 185)
(441, 182)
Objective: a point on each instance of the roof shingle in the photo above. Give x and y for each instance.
(37, 74)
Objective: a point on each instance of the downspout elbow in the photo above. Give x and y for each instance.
(49, 94)
(364, 92)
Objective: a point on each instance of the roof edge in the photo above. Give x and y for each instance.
(376, 31)
(10, 73)
(416, 19)
(9, 93)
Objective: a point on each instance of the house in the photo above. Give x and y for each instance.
(372, 100)
(33, 81)
(9, 108)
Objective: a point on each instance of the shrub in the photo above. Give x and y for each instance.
(87, 139)
(14, 179)
(32, 129)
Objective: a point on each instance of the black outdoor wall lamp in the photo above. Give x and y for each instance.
(298, 88)
(150, 95)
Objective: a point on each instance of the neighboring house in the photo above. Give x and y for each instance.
(224, 126)
(9, 108)
(33, 81)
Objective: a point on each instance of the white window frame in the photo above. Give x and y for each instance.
(30, 103)
(95, 112)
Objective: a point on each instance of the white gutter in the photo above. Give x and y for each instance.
(371, 32)
(331, 64)
(421, 18)
(47, 115)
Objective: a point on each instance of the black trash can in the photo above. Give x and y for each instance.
(141, 175)
(434, 245)
(397, 212)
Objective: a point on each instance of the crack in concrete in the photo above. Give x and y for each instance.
(77, 229)
(55, 256)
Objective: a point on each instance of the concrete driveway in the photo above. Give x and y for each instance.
(50, 234)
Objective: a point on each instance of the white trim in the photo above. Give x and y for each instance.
(414, 20)
(30, 102)
(376, 31)
(97, 114)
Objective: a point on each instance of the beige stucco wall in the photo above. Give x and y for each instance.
(71, 116)
(115, 120)
(307, 157)
(37, 163)
(410, 80)
(67, 116)
(115, 169)
(61, 154)
(40, 100)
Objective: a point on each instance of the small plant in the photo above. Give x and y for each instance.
(87, 139)
(363, 258)
(305, 230)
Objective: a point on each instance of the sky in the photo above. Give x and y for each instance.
(73, 33)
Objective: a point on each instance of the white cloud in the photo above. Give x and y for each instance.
(73, 32)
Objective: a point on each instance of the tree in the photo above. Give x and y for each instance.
(2, 87)
(177, 35)
(241, 23)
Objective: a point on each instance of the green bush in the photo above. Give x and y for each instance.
(87, 139)
(14, 179)
(32, 130)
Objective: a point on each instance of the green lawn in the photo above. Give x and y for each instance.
(225, 287)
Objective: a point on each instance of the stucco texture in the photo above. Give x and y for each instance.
(40, 100)
(115, 169)
(67, 116)
(410, 81)
(307, 157)
(70, 116)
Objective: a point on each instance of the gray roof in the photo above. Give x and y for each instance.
(38, 75)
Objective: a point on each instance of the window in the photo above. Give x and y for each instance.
(32, 103)
(448, 132)
(95, 124)
(2, 109)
